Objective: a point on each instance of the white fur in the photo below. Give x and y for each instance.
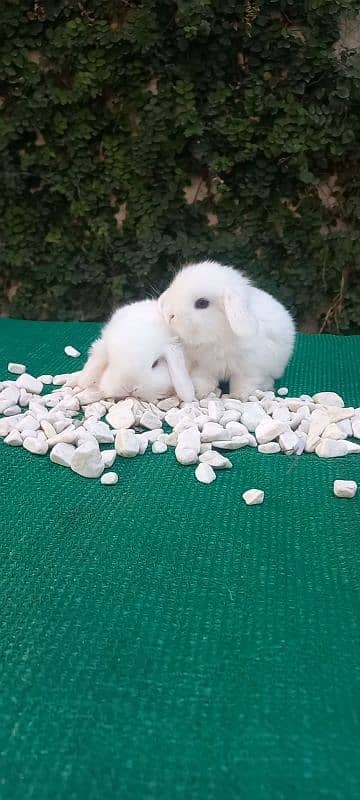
(121, 361)
(244, 336)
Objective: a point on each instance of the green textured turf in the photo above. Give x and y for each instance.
(161, 641)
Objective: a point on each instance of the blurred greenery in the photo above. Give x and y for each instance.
(137, 135)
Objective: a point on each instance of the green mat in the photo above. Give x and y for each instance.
(162, 641)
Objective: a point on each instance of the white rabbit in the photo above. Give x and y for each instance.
(230, 330)
(136, 355)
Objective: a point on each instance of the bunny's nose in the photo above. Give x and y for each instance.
(171, 317)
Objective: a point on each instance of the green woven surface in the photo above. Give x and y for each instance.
(158, 639)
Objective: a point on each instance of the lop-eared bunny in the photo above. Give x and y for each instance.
(230, 330)
(137, 355)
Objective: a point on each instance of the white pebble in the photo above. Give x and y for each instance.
(108, 457)
(215, 410)
(185, 423)
(100, 430)
(355, 424)
(352, 448)
(84, 436)
(252, 415)
(26, 432)
(97, 410)
(61, 424)
(204, 473)
(253, 497)
(120, 415)
(300, 447)
(345, 426)
(294, 403)
(169, 402)
(288, 441)
(189, 438)
(201, 420)
(46, 379)
(345, 488)
(302, 414)
(87, 461)
(16, 369)
(268, 429)
(159, 447)
(10, 394)
(27, 422)
(303, 427)
(10, 411)
(126, 443)
(319, 420)
(172, 439)
(281, 414)
(62, 454)
(36, 446)
(339, 414)
(173, 416)
(268, 406)
(232, 403)
(38, 411)
(205, 447)
(328, 399)
(29, 383)
(236, 443)
(212, 432)
(155, 410)
(152, 436)
(269, 447)
(142, 444)
(59, 380)
(312, 443)
(71, 351)
(70, 406)
(330, 448)
(236, 429)
(68, 436)
(24, 398)
(229, 416)
(150, 421)
(48, 428)
(185, 455)
(4, 427)
(109, 478)
(14, 438)
(283, 391)
(215, 460)
(333, 431)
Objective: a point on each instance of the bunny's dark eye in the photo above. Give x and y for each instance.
(155, 364)
(202, 302)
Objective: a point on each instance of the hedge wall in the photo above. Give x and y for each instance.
(136, 135)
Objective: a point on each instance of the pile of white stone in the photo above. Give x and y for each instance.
(72, 423)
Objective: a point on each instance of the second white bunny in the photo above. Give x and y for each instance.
(230, 330)
(137, 355)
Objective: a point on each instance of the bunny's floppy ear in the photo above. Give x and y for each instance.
(240, 319)
(179, 375)
(161, 301)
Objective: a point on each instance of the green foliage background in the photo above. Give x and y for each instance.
(138, 135)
